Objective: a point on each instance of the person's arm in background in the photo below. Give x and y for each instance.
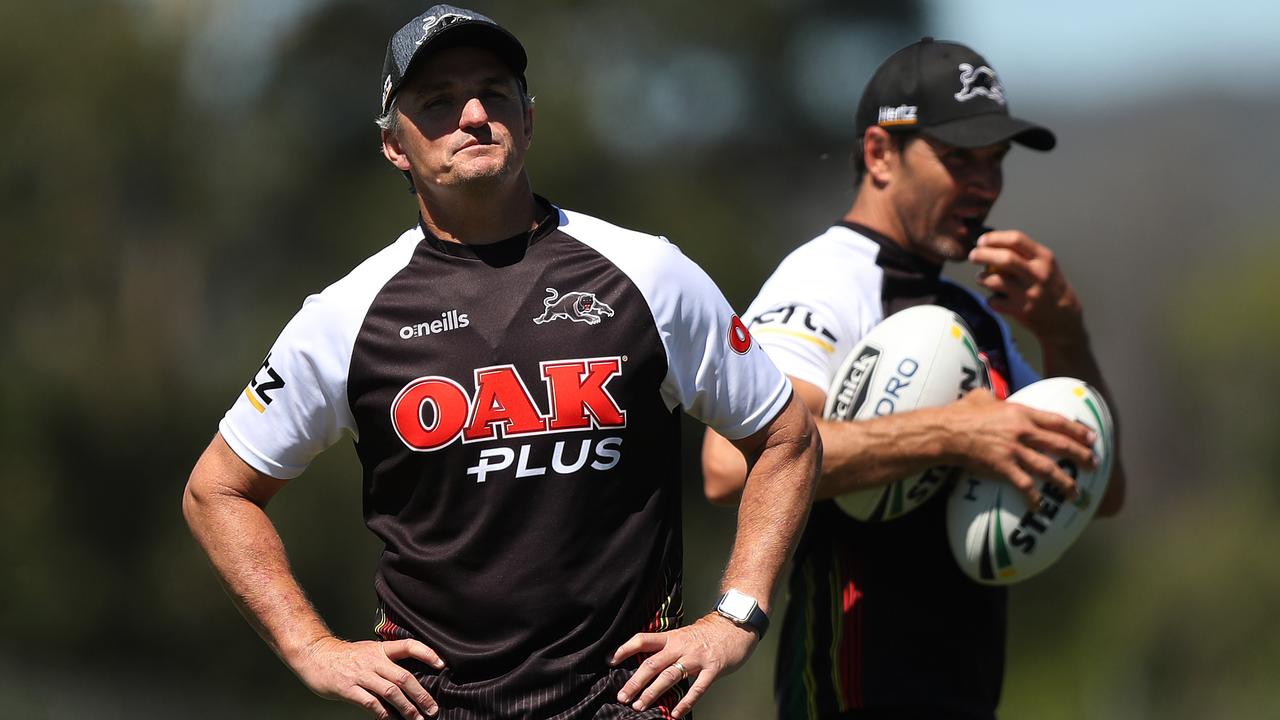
(1031, 288)
(224, 504)
(978, 432)
(778, 490)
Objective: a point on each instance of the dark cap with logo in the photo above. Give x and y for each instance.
(445, 26)
(946, 91)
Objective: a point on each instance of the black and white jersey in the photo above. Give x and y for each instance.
(880, 617)
(514, 408)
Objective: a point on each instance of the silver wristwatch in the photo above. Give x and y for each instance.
(743, 610)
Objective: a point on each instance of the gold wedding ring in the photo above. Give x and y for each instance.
(683, 673)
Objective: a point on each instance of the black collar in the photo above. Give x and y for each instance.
(503, 252)
(892, 255)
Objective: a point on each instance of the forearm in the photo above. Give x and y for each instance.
(868, 453)
(774, 507)
(1073, 357)
(855, 455)
(249, 558)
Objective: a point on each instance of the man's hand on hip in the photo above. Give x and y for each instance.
(365, 674)
(711, 647)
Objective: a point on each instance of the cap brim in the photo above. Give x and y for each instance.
(978, 131)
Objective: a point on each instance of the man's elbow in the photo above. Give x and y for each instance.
(194, 499)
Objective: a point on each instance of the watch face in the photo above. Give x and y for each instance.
(737, 605)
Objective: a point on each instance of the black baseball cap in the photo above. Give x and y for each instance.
(444, 26)
(946, 91)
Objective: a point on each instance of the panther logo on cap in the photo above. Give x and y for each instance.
(430, 22)
(979, 81)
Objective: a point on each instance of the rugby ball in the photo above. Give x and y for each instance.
(994, 537)
(921, 357)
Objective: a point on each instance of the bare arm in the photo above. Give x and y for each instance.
(224, 505)
(775, 505)
(978, 432)
(1031, 288)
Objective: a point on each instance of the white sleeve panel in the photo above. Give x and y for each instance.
(296, 405)
(819, 303)
(736, 394)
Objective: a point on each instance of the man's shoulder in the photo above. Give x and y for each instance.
(838, 265)
(647, 259)
(593, 230)
(837, 250)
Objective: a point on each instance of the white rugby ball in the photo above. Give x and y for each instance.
(994, 537)
(921, 357)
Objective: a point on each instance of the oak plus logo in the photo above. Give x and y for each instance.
(583, 307)
(449, 320)
(260, 387)
(431, 413)
(979, 81)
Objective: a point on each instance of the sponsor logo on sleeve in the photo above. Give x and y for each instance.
(260, 387)
(797, 321)
(577, 306)
(739, 337)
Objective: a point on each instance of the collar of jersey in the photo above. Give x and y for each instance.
(504, 252)
(892, 255)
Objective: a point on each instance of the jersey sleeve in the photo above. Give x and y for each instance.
(812, 312)
(295, 404)
(716, 370)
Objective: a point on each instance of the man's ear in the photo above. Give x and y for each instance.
(528, 123)
(393, 151)
(879, 154)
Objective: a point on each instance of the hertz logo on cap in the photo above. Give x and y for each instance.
(900, 115)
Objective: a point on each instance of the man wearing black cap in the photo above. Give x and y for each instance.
(881, 622)
(510, 372)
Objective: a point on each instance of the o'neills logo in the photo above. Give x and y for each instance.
(449, 320)
(431, 412)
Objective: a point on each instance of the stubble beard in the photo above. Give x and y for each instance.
(480, 175)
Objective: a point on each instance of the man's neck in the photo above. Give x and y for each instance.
(480, 218)
(871, 209)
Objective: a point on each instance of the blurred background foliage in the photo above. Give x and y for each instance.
(175, 176)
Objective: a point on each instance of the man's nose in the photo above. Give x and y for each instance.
(473, 114)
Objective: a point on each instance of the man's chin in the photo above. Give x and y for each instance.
(479, 175)
(951, 249)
